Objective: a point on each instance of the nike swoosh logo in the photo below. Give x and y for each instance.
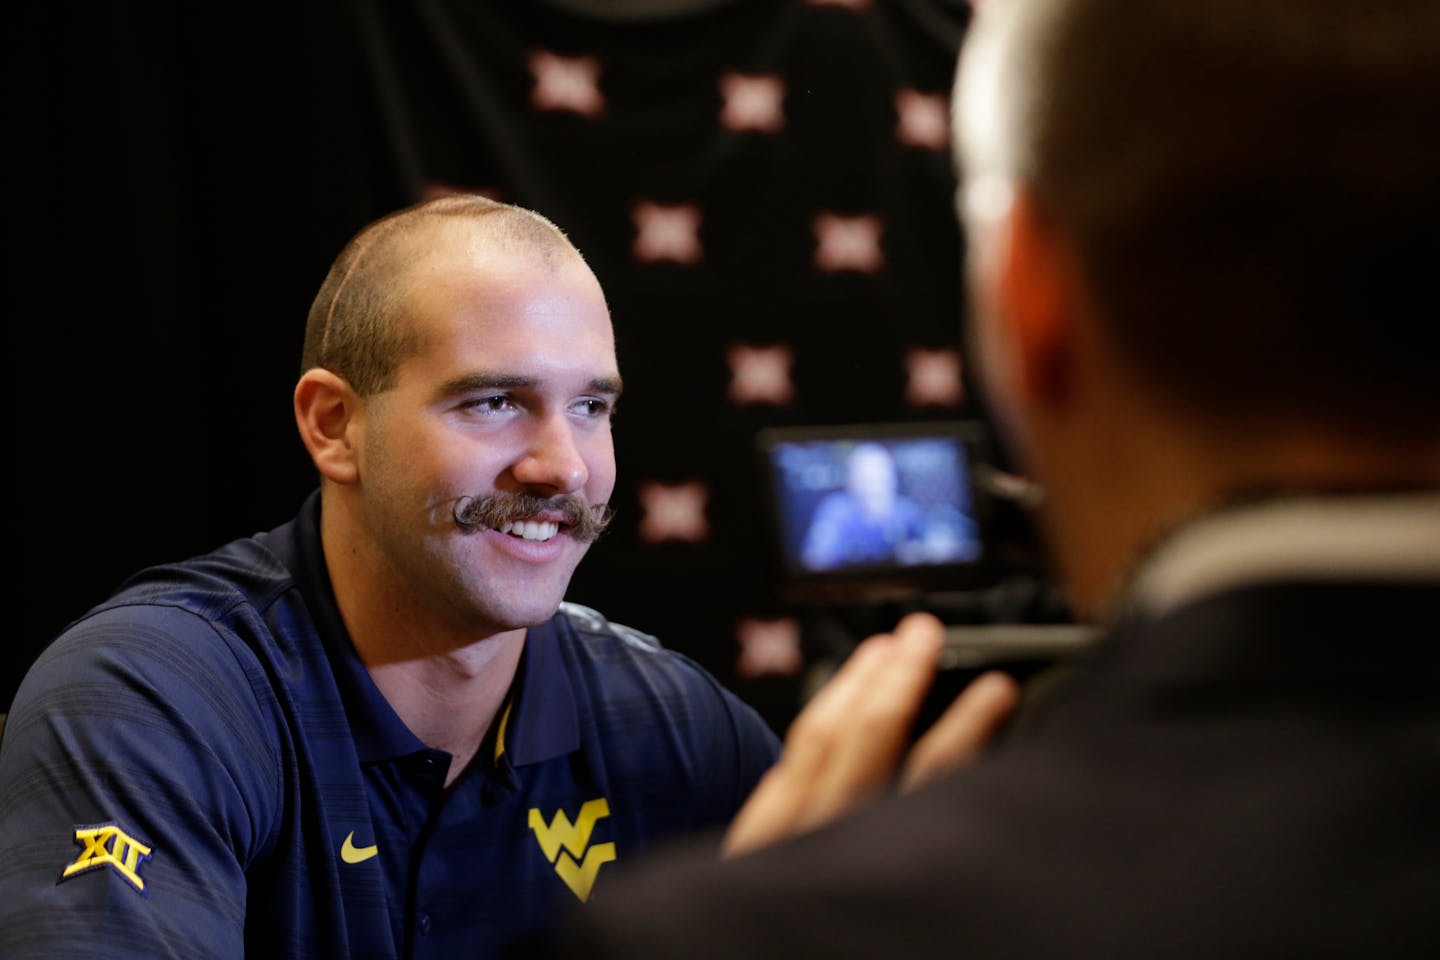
(353, 854)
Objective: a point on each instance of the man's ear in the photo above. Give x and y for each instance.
(1039, 300)
(328, 413)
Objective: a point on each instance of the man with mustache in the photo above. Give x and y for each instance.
(377, 730)
(1201, 241)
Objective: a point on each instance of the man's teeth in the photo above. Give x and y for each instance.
(531, 529)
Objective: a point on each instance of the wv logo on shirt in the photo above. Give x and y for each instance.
(106, 845)
(579, 861)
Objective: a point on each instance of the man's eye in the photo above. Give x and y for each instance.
(593, 407)
(496, 404)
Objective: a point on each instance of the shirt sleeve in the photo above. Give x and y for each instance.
(137, 783)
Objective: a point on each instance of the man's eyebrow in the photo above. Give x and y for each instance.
(610, 385)
(485, 381)
(471, 382)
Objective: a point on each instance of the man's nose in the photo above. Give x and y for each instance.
(553, 461)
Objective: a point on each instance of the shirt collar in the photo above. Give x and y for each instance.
(539, 719)
(1338, 537)
(543, 723)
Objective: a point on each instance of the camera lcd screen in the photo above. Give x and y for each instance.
(874, 499)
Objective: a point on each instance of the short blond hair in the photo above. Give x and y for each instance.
(353, 329)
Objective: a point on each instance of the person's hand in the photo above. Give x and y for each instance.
(849, 744)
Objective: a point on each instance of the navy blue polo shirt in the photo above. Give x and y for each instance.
(203, 767)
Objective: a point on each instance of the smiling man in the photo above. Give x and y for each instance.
(378, 730)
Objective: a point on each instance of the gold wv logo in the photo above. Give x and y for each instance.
(106, 845)
(579, 875)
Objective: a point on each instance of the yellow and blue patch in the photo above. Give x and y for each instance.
(107, 845)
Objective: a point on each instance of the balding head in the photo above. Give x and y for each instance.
(356, 327)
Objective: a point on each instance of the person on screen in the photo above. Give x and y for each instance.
(869, 521)
(1201, 249)
(377, 730)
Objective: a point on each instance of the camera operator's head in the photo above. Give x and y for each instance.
(1200, 234)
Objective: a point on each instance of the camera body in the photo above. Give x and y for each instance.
(870, 521)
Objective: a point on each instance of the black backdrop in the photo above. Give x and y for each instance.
(188, 176)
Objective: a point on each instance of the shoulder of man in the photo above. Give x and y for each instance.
(620, 666)
(616, 657)
(593, 626)
(615, 648)
(147, 725)
(198, 624)
(210, 610)
(243, 572)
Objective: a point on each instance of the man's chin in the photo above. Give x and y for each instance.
(513, 600)
(523, 616)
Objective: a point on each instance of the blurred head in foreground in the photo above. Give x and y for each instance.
(1199, 237)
